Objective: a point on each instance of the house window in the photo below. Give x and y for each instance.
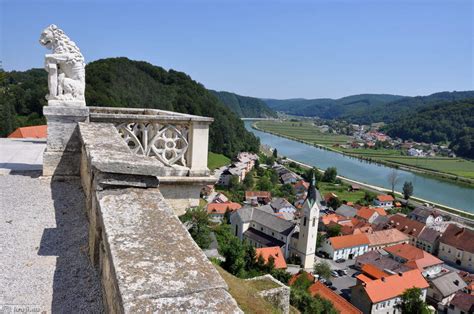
(304, 221)
(273, 233)
(261, 228)
(314, 222)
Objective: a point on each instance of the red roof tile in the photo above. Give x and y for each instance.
(337, 301)
(415, 257)
(394, 285)
(274, 251)
(385, 198)
(348, 241)
(37, 131)
(221, 208)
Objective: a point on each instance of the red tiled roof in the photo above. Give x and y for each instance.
(274, 251)
(415, 257)
(326, 219)
(263, 194)
(37, 131)
(221, 208)
(373, 272)
(347, 241)
(394, 285)
(365, 213)
(337, 301)
(405, 225)
(385, 198)
(458, 237)
(380, 211)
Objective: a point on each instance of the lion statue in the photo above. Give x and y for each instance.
(65, 66)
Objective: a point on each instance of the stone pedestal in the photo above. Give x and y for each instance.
(63, 151)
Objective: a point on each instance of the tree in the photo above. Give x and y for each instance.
(274, 177)
(322, 269)
(334, 230)
(393, 179)
(249, 181)
(330, 175)
(197, 221)
(412, 302)
(275, 153)
(334, 203)
(270, 266)
(265, 184)
(319, 240)
(407, 189)
(281, 275)
(308, 175)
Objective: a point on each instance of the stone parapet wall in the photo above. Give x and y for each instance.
(279, 297)
(147, 260)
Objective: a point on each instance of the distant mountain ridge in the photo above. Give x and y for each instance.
(364, 108)
(245, 106)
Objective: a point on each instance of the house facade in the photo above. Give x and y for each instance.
(346, 247)
(443, 288)
(381, 295)
(456, 246)
(385, 201)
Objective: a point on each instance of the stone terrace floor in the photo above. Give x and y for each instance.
(43, 240)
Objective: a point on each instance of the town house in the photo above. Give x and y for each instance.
(456, 246)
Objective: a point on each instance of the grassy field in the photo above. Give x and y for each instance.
(341, 190)
(246, 294)
(307, 132)
(215, 161)
(304, 131)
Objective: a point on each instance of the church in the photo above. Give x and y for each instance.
(262, 228)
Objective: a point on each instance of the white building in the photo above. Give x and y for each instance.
(347, 246)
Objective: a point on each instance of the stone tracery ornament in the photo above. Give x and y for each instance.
(168, 143)
(65, 67)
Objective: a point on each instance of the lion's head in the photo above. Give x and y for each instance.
(55, 39)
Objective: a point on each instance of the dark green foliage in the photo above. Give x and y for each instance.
(308, 175)
(441, 123)
(323, 269)
(198, 220)
(281, 275)
(275, 153)
(303, 301)
(22, 97)
(412, 303)
(366, 108)
(330, 175)
(249, 180)
(240, 258)
(407, 190)
(334, 203)
(245, 107)
(334, 230)
(120, 82)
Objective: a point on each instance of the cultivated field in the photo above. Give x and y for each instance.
(308, 132)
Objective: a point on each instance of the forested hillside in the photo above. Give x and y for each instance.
(327, 108)
(120, 82)
(244, 106)
(444, 122)
(364, 109)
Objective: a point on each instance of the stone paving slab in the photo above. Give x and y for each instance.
(21, 154)
(43, 240)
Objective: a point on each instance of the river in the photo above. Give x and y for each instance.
(429, 188)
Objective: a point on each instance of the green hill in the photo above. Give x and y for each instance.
(120, 82)
(365, 108)
(244, 106)
(327, 108)
(440, 123)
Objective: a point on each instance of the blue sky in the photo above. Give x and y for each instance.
(273, 49)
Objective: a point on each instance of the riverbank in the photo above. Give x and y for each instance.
(435, 174)
(460, 215)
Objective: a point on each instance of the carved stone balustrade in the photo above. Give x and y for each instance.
(174, 139)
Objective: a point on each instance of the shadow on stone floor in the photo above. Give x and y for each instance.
(76, 285)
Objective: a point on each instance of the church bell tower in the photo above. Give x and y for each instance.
(309, 227)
